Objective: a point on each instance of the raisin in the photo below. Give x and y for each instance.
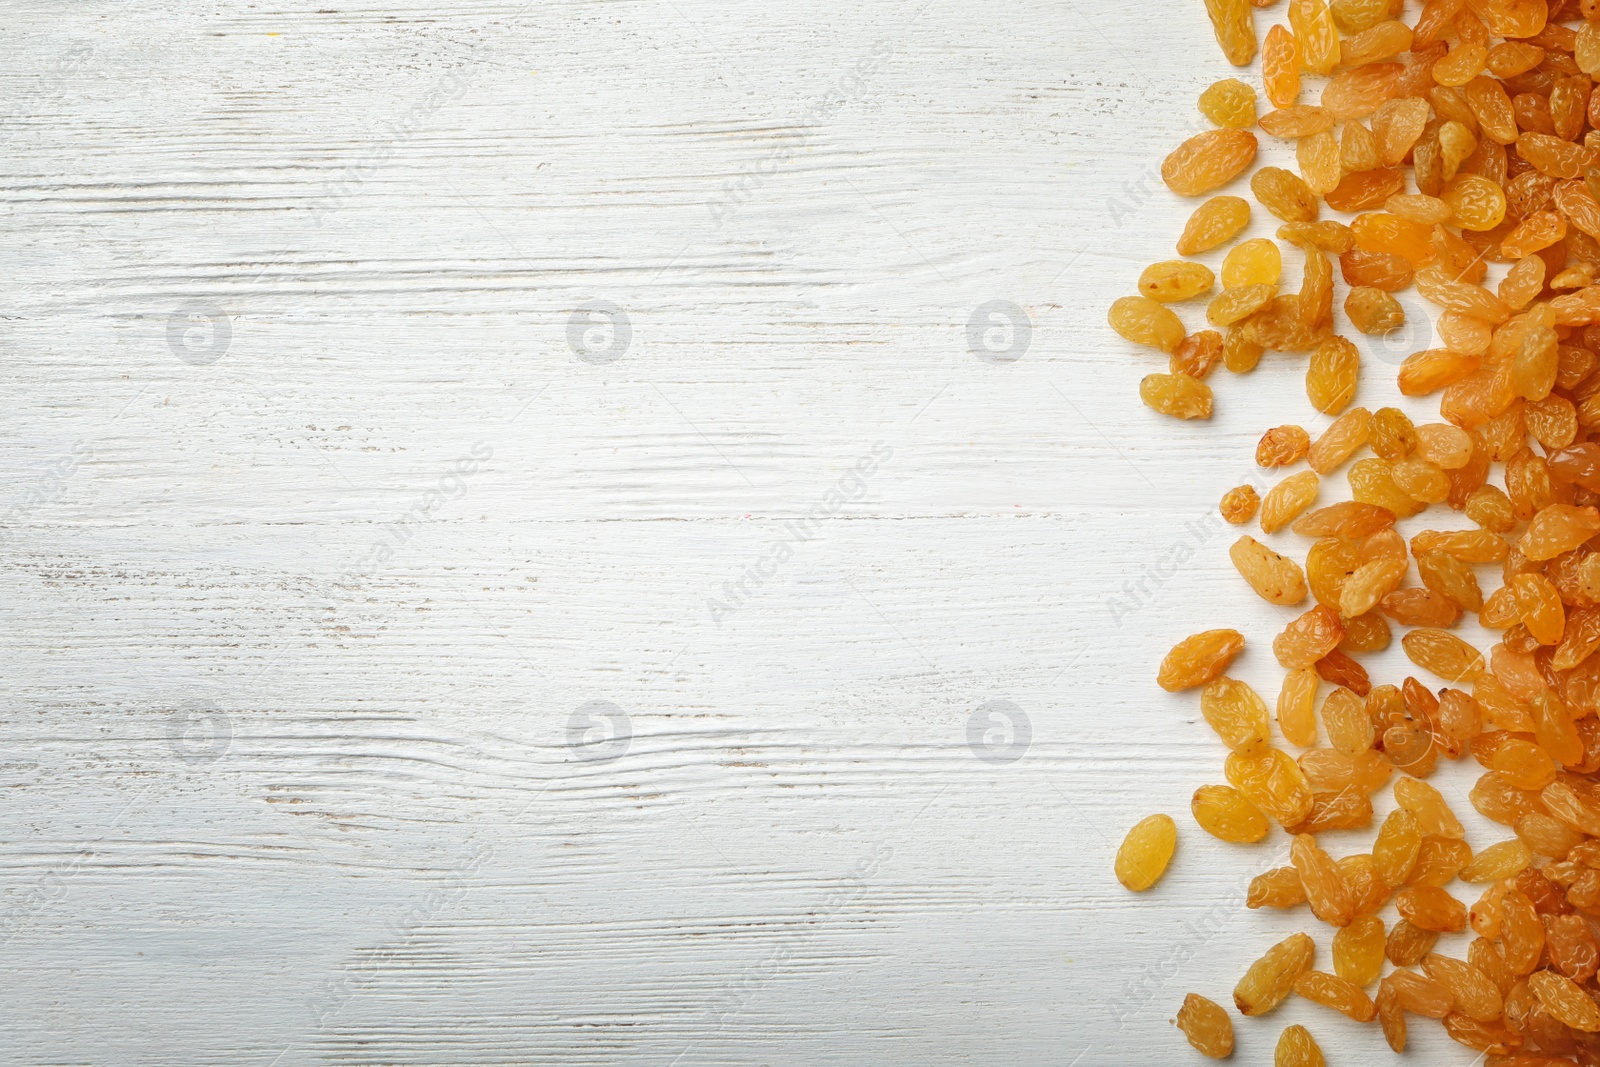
(1208, 160)
(1207, 1026)
(1239, 504)
(1229, 102)
(1144, 854)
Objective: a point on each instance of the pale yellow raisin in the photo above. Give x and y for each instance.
(1145, 852)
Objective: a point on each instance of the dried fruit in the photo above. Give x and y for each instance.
(1488, 107)
(1239, 504)
(1331, 377)
(1280, 66)
(1282, 446)
(1271, 978)
(1340, 440)
(1177, 395)
(1207, 1026)
(1340, 994)
(1358, 950)
(1373, 311)
(1208, 160)
(1224, 812)
(1285, 194)
(1297, 1048)
(1174, 280)
(1234, 710)
(1229, 102)
(1309, 638)
(1145, 852)
(1253, 262)
(1215, 222)
(1565, 1001)
(1234, 26)
(1276, 579)
(1431, 908)
(1288, 499)
(1325, 890)
(1199, 659)
(1147, 322)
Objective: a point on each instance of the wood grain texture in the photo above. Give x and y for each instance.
(389, 685)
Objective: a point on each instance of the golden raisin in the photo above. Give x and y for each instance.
(1207, 1026)
(1199, 659)
(1224, 812)
(1145, 852)
(1229, 102)
(1239, 504)
(1213, 223)
(1208, 160)
(1270, 979)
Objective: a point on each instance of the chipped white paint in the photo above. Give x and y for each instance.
(449, 616)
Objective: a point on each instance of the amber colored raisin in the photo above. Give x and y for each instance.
(1326, 892)
(1565, 1001)
(1235, 712)
(1280, 66)
(1215, 222)
(1174, 280)
(1234, 26)
(1559, 528)
(1208, 160)
(1373, 311)
(1431, 908)
(1177, 395)
(1207, 1026)
(1340, 440)
(1277, 579)
(1308, 638)
(1253, 262)
(1406, 944)
(1229, 102)
(1199, 659)
(1297, 1048)
(1272, 781)
(1225, 813)
(1358, 950)
(1316, 33)
(1197, 355)
(1367, 269)
(1270, 979)
(1147, 322)
(1332, 375)
(1288, 499)
(1277, 888)
(1296, 703)
(1285, 194)
(1282, 446)
(1239, 504)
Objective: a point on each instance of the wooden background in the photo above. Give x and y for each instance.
(609, 533)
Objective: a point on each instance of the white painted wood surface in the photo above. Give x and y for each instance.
(322, 541)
